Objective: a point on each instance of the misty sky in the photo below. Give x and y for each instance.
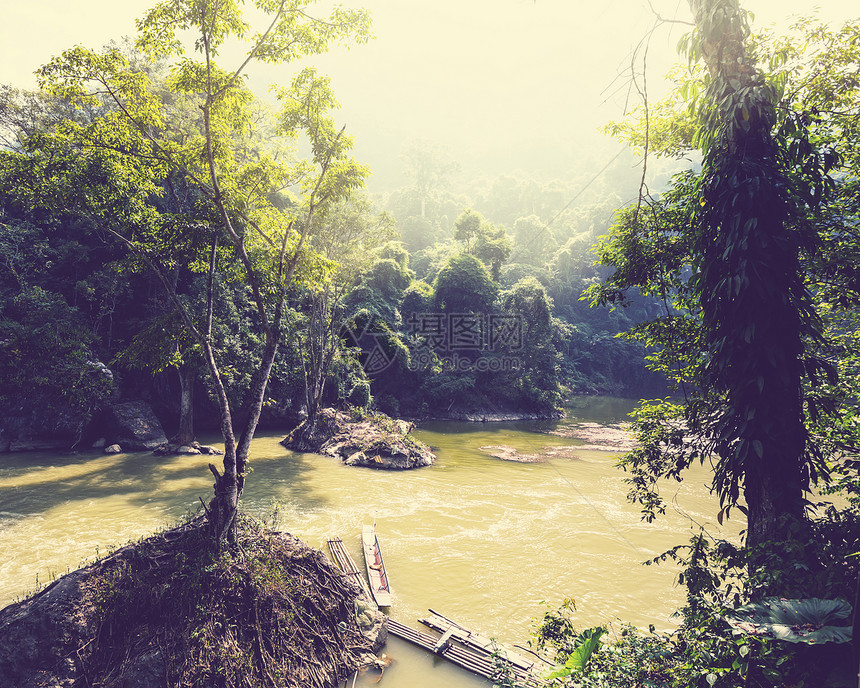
(507, 82)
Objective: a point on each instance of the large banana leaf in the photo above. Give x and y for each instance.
(587, 642)
(811, 621)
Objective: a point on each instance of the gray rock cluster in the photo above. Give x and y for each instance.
(374, 441)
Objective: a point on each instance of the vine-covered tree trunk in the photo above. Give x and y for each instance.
(752, 293)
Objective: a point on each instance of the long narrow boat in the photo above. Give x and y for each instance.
(376, 575)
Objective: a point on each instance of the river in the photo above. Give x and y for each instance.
(484, 541)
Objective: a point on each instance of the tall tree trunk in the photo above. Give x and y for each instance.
(752, 291)
(257, 395)
(187, 376)
(221, 512)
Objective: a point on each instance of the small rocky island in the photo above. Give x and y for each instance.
(361, 439)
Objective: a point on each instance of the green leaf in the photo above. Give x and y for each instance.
(811, 621)
(589, 641)
(586, 643)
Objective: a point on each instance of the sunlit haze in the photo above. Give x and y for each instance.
(504, 85)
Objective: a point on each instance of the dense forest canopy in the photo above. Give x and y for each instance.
(195, 236)
(168, 235)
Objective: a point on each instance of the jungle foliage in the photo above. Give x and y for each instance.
(756, 333)
(757, 336)
(110, 209)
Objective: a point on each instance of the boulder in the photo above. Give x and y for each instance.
(192, 449)
(39, 636)
(113, 449)
(372, 622)
(404, 427)
(133, 425)
(357, 459)
(373, 440)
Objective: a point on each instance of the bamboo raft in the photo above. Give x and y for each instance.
(475, 658)
(476, 642)
(346, 564)
(457, 644)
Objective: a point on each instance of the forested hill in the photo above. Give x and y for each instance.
(448, 296)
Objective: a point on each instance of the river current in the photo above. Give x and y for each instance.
(487, 542)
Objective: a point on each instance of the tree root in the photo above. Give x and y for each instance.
(277, 616)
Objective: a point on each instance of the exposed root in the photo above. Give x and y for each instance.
(276, 615)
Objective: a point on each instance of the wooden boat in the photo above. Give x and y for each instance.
(376, 575)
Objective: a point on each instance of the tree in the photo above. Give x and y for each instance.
(463, 285)
(537, 379)
(51, 380)
(755, 308)
(728, 251)
(349, 234)
(429, 167)
(163, 344)
(483, 240)
(493, 248)
(466, 228)
(533, 241)
(109, 169)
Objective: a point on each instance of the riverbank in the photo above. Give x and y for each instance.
(494, 416)
(172, 610)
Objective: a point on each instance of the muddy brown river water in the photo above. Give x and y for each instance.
(483, 540)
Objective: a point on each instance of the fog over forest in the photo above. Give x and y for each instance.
(515, 87)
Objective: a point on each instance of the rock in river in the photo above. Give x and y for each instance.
(369, 439)
(133, 426)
